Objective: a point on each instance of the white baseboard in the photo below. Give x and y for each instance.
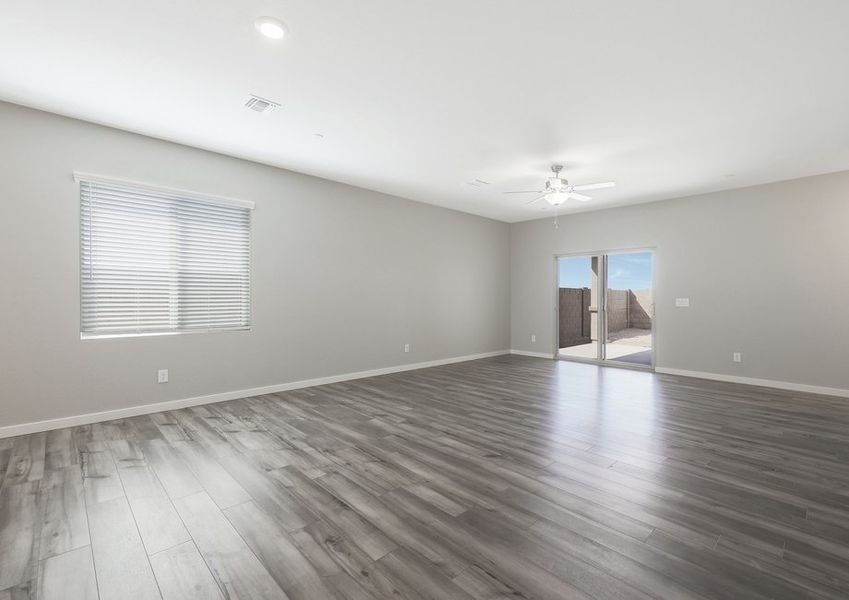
(144, 409)
(534, 354)
(771, 383)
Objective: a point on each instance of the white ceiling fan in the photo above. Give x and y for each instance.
(557, 190)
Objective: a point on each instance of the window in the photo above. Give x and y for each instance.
(157, 261)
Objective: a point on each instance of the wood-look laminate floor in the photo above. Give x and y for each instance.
(501, 478)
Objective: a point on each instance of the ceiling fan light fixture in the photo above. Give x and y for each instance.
(558, 190)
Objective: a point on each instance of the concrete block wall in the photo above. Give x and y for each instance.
(574, 318)
(625, 309)
(639, 309)
(618, 310)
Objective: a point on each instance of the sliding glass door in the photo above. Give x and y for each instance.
(606, 308)
(579, 299)
(629, 308)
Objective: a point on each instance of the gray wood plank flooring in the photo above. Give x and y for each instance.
(508, 477)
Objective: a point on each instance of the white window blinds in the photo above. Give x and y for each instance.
(160, 261)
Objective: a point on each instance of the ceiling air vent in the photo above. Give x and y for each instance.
(477, 183)
(260, 105)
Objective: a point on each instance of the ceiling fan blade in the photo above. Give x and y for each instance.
(525, 192)
(536, 199)
(593, 186)
(579, 197)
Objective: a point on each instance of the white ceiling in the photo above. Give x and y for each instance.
(667, 98)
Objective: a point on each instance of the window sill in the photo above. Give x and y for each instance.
(107, 336)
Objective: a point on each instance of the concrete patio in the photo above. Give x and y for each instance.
(630, 345)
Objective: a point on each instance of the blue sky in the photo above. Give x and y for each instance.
(625, 271)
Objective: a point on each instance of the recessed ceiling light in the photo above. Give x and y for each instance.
(270, 27)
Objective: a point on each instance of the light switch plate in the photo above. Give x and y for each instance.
(682, 302)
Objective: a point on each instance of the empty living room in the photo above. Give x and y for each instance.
(447, 300)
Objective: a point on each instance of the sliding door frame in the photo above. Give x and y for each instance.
(600, 360)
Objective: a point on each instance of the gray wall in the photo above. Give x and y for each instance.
(342, 277)
(766, 269)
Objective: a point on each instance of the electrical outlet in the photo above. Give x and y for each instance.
(162, 376)
(737, 357)
(533, 338)
(406, 347)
